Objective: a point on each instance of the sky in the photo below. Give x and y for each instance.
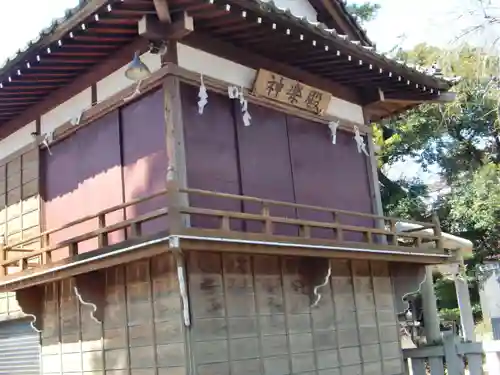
(436, 22)
(402, 23)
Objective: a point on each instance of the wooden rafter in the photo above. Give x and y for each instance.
(151, 28)
(162, 11)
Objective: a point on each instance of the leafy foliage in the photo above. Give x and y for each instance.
(366, 11)
(462, 141)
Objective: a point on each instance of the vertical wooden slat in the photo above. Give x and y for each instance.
(3, 270)
(268, 223)
(46, 256)
(305, 231)
(394, 237)
(418, 367)
(103, 237)
(136, 230)
(73, 249)
(226, 223)
(437, 231)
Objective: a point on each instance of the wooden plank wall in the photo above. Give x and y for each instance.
(19, 209)
(252, 315)
(142, 330)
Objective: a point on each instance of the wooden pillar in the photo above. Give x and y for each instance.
(463, 298)
(431, 316)
(374, 182)
(176, 171)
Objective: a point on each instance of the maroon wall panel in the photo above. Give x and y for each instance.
(83, 177)
(145, 158)
(327, 175)
(264, 160)
(211, 156)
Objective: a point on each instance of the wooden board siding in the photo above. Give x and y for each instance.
(264, 163)
(144, 156)
(253, 315)
(141, 334)
(328, 175)
(278, 157)
(83, 176)
(211, 155)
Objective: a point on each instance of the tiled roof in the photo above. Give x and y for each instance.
(36, 42)
(434, 72)
(269, 6)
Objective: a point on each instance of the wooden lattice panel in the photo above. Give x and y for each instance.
(19, 198)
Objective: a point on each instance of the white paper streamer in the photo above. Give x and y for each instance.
(333, 125)
(202, 96)
(360, 142)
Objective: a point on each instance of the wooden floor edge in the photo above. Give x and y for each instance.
(155, 245)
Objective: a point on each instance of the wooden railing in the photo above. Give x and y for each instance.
(250, 215)
(454, 357)
(34, 258)
(382, 231)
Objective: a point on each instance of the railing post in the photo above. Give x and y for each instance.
(103, 237)
(266, 212)
(438, 232)
(3, 257)
(47, 255)
(454, 362)
(431, 316)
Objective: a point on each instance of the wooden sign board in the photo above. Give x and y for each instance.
(288, 91)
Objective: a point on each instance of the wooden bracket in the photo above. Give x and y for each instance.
(90, 288)
(316, 274)
(150, 27)
(31, 301)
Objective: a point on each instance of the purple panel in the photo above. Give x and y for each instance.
(211, 155)
(327, 175)
(265, 165)
(145, 157)
(83, 177)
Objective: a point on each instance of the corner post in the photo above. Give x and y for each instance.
(174, 132)
(372, 167)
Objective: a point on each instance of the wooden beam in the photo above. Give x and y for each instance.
(162, 10)
(152, 28)
(255, 61)
(445, 97)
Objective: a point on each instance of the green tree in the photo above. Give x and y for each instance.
(462, 141)
(366, 11)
